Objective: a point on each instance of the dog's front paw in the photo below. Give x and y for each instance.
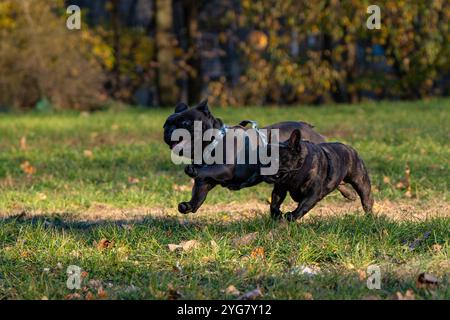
(290, 217)
(191, 171)
(184, 207)
(276, 214)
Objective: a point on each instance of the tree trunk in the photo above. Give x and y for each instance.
(115, 22)
(194, 80)
(166, 77)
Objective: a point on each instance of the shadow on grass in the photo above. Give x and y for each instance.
(350, 226)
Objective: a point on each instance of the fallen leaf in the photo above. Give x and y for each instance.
(184, 246)
(42, 196)
(189, 245)
(362, 275)
(182, 188)
(400, 185)
(132, 180)
(173, 247)
(88, 154)
(258, 253)
(177, 267)
(28, 168)
(73, 296)
(370, 298)
(90, 296)
(232, 291)
(305, 270)
(386, 180)
(84, 275)
(173, 294)
(214, 245)
(245, 240)
(408, 192)
(24, 254)
(427, 281)
(251, 295)
(95, 283)
(308, 296)
(23, 143)
(105, 244)
(102, 294)
(409, 295)
(436, 247)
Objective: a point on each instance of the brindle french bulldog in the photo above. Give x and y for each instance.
(310, 171)
(234, 177)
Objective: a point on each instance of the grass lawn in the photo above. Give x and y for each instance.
(69, 180)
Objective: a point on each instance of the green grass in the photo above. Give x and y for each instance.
(53, 217)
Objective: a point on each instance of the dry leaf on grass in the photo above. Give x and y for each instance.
(104, 244)
(408, 295)
(73, 296)
(41, 196)
(427, 281)
(101, 293)
(232, 291)
(28, 168)
(181, 188)
(362, 275)
(23, 143)
(184, 246)
(305, 270)
(133, 180)
(173, 294)
(308, 296)
(252, 295)
(245, 240)
(370, 298)
(90, 296)
(258, 253)
(437, 247)
(88, 154)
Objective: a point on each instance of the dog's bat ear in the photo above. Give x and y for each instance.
(203, 106)
(294, 140)
(181, 107)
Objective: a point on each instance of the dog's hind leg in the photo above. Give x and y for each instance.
(347, 192)
(360, 181)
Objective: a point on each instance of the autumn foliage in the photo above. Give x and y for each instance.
(238, 53)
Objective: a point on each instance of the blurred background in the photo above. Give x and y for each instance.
(159, 52)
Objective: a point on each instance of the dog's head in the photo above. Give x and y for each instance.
(289, 155)
(184, 117)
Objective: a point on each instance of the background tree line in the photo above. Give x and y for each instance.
(238, 52)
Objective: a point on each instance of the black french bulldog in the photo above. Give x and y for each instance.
(235, 176)
(310, 171)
